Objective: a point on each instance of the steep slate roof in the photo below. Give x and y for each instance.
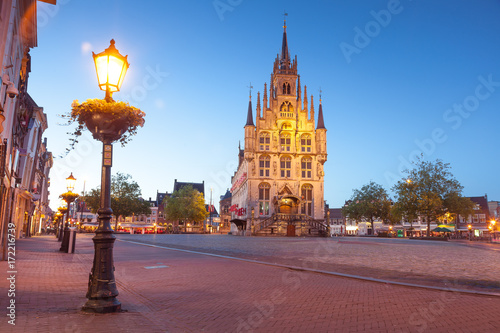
(227, 195)
(160, 196)
(336, 213)
(321, 123)
(483, 204)
(197, 186)
(250, 114)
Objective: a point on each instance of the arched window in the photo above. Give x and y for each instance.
(286, 107)
(264, 166)
(286, 142)
(286, 88)
(264, 198)
(306, 167)
(265, 141)
(286, 110)
(305, 143)
(306, 193)
(285, 166)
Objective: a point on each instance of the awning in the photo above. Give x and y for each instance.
(239, 222)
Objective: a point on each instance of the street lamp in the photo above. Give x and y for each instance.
(68, 197)
(111, 68)
(70, 183)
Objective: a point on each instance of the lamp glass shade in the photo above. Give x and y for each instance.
(70, 183)
(111, 68)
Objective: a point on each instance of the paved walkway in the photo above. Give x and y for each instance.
(197, 293)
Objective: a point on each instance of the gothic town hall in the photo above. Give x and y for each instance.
(278, 187)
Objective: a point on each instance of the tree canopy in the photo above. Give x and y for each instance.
(185, 204)
(430, 190)
(369, 202)
(125, 197)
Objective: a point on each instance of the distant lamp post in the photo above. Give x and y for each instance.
(59, 218)
(111, 68)
(470, 231)
(68, 197)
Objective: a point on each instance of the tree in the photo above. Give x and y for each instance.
(457, 205)
(93, 200)
(424, 190)
(406, 206)
(125, 198)
(185, 204)
(369, 202)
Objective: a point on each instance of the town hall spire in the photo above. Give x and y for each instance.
(285, 55)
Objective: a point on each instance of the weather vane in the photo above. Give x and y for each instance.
(250, 87)
(320, 91)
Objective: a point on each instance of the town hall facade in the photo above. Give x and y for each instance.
(279, 185)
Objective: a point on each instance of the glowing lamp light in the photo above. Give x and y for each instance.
(70, 183)
(111, 68)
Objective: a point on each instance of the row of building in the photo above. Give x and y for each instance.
(480, 224)
(25, 161)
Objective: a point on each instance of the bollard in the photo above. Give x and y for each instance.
(72, 240)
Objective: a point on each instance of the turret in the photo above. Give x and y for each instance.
(321, 135)
(249, 130)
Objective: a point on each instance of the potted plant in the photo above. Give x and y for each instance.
(107, 121)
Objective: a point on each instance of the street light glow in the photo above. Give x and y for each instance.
(111, 68)
(70, 183)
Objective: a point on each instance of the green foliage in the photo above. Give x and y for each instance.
(369, 202)
(457, 205)
(125, 197)
(186, 204)
(424, 190)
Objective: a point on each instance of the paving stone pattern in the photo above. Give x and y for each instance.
(198, 293)
(453, 264)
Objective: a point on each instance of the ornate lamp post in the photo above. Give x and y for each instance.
(58, 216)
(111, 68)
(63, 208)
(68, 197)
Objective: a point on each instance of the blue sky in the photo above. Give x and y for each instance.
(399, 78)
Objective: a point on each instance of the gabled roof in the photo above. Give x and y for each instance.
(227, 195)
(197, 186)
(160, 196)
(336, 213)
(483, 204)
